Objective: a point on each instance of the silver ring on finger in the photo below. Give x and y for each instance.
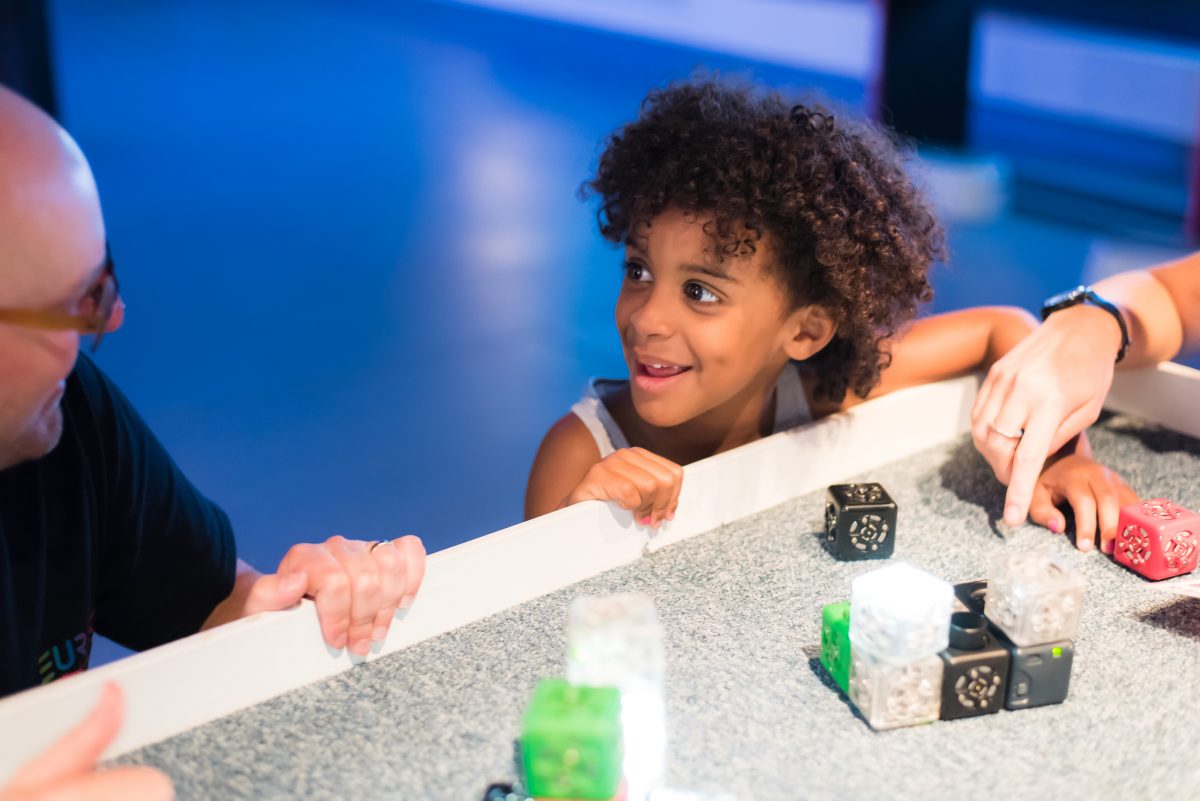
(375, 545)
(1007, 434)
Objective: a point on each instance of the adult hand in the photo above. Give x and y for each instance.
(357, 586)
(66, 771)
(1051, 386)
(637, 480)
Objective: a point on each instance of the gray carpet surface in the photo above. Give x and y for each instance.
(750, 710)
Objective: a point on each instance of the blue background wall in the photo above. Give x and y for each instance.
(360, 282)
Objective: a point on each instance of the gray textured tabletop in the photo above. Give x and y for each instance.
(750, 710)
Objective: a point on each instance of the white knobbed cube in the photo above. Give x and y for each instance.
(890, 696)
(1034, 597)
(616, 641)
(899, 614)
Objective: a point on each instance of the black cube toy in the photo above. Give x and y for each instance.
(1038, 674)
(860, 521)
(975, 669)
(971, 595)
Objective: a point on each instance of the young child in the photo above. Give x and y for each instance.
(775, 257)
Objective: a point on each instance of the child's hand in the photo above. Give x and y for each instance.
(636, 479)
(1096, 495)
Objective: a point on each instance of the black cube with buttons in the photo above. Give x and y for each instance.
(974, 678)
(860, 521)
(1038, 674)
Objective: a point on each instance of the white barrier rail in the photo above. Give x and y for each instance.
(190, 682)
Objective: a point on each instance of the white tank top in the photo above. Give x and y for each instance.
(791, 408)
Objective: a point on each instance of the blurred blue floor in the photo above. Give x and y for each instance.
(360, 282)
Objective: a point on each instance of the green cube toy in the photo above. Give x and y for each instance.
(571, 741)
(835, 642)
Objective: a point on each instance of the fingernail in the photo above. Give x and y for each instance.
(379, 634)
(1054, 525)
(406, 601)
(341, 641)
(1107, 547)
(1086, 545)
(670, 515)
(1012, 515)
(645, 521)
(362, 647)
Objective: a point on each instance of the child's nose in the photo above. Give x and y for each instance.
(654, 317)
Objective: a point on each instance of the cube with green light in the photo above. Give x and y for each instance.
(835, 642)
(571, 741)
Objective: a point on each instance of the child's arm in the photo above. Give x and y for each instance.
(950, 345)
(568, 469)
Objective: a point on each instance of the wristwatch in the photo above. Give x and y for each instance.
(1084, 294)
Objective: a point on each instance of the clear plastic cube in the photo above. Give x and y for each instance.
(890, 696)
(899, 614)
(616, 641)
(1034, 597)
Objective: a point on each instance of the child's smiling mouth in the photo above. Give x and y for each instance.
(656, 374)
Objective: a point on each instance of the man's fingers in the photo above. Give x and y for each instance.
(118, 784)
(276, 591)
(365, 600)
(382, 622)
(78, 750)
(414, 563)
(1074, 424)
(329, 587)
(393, 576)
(1027, 466)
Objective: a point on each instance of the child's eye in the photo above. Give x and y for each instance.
(699, 293)
(637, 272)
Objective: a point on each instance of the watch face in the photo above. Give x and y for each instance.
(1063, 300)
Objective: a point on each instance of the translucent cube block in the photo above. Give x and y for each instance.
(890, 696)
(616, 640)
(899, 614)
(1034, 598)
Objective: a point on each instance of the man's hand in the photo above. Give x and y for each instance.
(636, 479)
(357, 586)
(1052, 386)
(66, 771)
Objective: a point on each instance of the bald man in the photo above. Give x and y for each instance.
(99, 529)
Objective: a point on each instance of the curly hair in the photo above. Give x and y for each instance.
(848, 230)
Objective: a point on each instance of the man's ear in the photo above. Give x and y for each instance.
(807, 330)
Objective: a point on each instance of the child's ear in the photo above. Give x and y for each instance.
(809, 329)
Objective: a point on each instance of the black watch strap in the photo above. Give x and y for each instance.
(1084, 294)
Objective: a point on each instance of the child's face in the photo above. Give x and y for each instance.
(699, 334)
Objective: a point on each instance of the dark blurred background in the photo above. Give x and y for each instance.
(361, 284)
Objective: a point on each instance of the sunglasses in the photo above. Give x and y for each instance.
(96, 308)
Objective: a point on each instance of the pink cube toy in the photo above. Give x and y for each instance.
(1158, 538)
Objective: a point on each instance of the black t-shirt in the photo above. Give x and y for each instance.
(104, 534)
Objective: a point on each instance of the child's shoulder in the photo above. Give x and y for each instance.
(567, 452)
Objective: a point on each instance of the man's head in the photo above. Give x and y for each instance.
(52, 247)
